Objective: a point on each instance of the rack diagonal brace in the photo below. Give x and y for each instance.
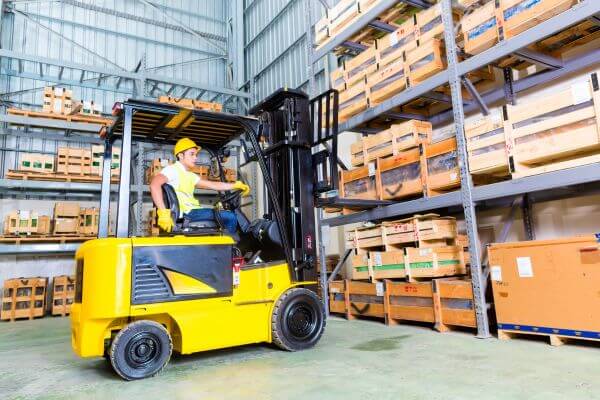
(473, 91)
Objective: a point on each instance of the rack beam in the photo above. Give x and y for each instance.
(39, 248)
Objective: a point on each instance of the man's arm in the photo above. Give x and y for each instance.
(156, 190)
(213, 185)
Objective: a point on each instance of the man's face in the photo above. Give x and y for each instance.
(188, 157)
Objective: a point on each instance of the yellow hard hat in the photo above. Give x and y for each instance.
(184, 144)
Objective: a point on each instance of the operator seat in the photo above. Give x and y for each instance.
(183, 225)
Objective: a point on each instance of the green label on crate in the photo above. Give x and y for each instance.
(429, 264)
(26, 163)
(361, 269)
(37, 164)
(115, 165)
(388, 267)
(95, 163)
(48, 166)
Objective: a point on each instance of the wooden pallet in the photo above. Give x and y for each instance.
(45, 239)
(23, 298)
(33, 176)
(556, 339)
(90, 119)
(63, 293)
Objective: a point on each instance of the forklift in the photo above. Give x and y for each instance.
(199, 288)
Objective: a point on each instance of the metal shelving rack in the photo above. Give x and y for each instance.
(541, 187)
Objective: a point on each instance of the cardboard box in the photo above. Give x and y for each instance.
(66, 225)
(66, 209)
(547, 286)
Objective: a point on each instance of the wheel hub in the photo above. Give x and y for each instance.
(301, 322)
(142, 349)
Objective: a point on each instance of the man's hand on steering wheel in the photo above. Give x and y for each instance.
(239, 185)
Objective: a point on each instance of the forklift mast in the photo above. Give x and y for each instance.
(289, 122)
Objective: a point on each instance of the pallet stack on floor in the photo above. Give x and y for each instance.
(412, 269)
(25, 298)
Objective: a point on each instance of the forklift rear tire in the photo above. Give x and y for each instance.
(298, 320)
(140, 350)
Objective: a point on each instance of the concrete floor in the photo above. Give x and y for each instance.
(354, 360)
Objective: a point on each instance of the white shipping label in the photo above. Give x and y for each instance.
(453, 176)
(425, 252)
(393, 39)
(377, 259)
(372, 169)
(496, 273)
(524, 266)
(24, 214)
(580, 92)
(379, 288)
(57, 106)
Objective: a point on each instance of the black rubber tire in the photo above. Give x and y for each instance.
(140, 350)
(298, 320)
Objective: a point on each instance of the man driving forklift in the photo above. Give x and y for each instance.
(184, 182)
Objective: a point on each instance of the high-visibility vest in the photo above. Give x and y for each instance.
(185, 189)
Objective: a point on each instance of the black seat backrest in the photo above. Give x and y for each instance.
(170, 199)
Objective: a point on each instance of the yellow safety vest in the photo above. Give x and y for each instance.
(185, 189)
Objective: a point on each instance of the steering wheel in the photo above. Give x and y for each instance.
(231, 200)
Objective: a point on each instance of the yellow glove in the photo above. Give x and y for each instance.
(239, 185)
(165, 222)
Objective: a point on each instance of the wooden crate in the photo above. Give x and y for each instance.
(353, 100)
(387, 265)
(396, 138)
(367, 238)
(24, 222)
(357, 154)
(426, 61)
(486, 147)
(361, 66)
(557, 131)
(66, 209)
(520, 15)
(387, 82)
(57, 100)
(39, 163)
(400, 176)
(337, 298)
(359, 183)
(392, 47)
(440, 166)
(98, 160)
(547, 287)
(63, 294)
(434, 262)
(73, 161)
(88, 221)
(427, 231)
(429, 25)
(152, 225)
(441, 302)
(23, 298)
(364, 299)
(155, 167)
(338, 79)
(480, 28)
(361, 269)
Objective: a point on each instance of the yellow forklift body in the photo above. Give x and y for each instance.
(105, 273)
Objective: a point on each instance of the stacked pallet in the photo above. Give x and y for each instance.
(441, 302)
(63, 294)
(549, 133)
(399, 163)
(73, 161)
(89, 221)
(403, 58)
(423, 246)
(23, 298)
(57, 100)
(503, 19)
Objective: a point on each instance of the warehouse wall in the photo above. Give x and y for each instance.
(276, 45)
(110, 33)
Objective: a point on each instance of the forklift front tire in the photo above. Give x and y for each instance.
(298, 320)
(140, 350)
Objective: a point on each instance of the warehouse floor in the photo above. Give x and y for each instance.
(355, 360)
